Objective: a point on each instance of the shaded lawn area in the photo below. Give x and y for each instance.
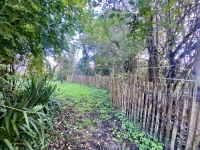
(73, 90)
(87, 121)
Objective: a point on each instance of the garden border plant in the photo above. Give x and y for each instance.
(127, 130)
(26, 113)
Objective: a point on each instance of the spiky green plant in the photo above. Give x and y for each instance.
(24, 121)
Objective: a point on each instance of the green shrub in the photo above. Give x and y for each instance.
(25, 114)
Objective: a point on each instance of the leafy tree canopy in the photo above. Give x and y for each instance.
(38, 27)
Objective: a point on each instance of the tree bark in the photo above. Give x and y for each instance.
(153, 70)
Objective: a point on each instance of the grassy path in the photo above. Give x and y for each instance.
(72, 90)
(88, 122)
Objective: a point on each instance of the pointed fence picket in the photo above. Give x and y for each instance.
(170, 114)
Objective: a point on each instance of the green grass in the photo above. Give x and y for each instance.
(100, 99)
(73, 90)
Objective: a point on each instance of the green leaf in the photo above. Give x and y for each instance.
(34, 126)
(131, 2)
(26, 119)
(118, 10)
(3, 110)
(94, 3)
(7, 121)
(8, 144)
(15, 128)
(47, 23)
(29, 145)
(3, 20)
(117, 140)
(112, 16)
(113, 9)
(127, 15)
(41, 126)
(38, 107)
(121, 19)
(49, 122)
(3, 133)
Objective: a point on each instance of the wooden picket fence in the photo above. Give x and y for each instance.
(96, 81)
(171, 115)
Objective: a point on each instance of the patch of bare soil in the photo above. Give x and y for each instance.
(79, 127)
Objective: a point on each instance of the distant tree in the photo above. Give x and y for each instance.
(33, 30)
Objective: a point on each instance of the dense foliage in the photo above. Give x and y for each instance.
(30, 31)
(161, 36)
(26, 114)
(154, 39)
(35, 28)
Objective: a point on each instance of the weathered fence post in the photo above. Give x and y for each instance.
(170, 99)
(164, 105)
(159, 101)
(149, 109)
(195, 103)
(146, 90)
(176, 115)
(154, 107)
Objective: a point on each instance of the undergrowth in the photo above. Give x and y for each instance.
(126, 130)
(121, 127)
(27, 113)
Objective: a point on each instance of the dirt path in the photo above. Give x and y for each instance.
(79, 127)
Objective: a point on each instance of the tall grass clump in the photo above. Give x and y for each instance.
(26, 106)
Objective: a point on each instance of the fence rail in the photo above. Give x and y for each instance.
(169, 113)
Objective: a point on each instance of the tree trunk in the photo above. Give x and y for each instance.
(153, 70)
(53, 70)
(135, 66)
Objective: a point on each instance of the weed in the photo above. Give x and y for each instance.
(87, 99)
(129, 130)
(87, 122)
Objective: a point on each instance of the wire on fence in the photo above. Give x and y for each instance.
(158, 78)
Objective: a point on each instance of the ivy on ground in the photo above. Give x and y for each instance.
(92, 123)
